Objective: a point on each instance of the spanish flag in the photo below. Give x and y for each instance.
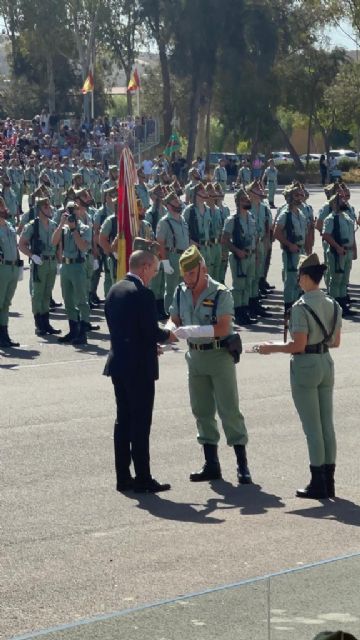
(88, 85)
(134, 83)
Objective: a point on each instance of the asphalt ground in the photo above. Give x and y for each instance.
(72, 547)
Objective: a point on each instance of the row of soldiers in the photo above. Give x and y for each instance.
(81, 241)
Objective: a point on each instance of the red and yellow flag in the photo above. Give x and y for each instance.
(88, 85)
(134, 83)
(128, 217)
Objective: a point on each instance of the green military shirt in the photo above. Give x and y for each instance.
(143, 194)
(11, 202)
(108, 184)
(70, 249)
(220, 174)
(225, 212)
(261, 217)
(299, 225)
(8, 242)
(203, 310)
(173, 232)
(301, 320)
(347, 231)
(244, 175)
(45, 235)
(271, 174)
(216, 224)
(324, 212)
(68, 174)
(153, 216)
(203, 221)
(248, 227)
(145, 230)
(27, 217)
(109, 227)
(101, 214)
(308, 212)
(31, 178)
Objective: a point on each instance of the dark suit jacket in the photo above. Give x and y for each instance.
(131, 314)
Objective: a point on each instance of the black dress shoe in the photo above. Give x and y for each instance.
(91, 327)
(150, 486)
(54, 305)
(95, 299)
(127, 484)
(269, 286)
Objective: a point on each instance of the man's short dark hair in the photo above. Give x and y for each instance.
(139, 259)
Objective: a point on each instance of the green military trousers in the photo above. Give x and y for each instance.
(89, 263)
(271, 185)
(95, 278)
(157, 284)
(8, 283)
(42, 283)
(213, 387)
(243, 272)
(290, 276)
(339, 268)
(224, 264)
(112, 268)
(215, 261)
(74, 289)
(259, 268)
(171, 280)
(312, 384)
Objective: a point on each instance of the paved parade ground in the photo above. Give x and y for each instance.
(72, 547)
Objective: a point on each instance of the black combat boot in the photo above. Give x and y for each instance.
(249, 317)
(45, 319)
(69, 337)
(91, 327)
(211, 469)
(54, 305)
(81, 338)
(39, 325)
(262, 287)
(316, 489)
(268, 286)
(6, 338)
(243, 473)
(330, 480)
(345, 307)
(257, 310)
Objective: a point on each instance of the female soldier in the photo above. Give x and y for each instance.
(315, 323)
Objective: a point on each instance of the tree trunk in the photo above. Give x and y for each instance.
(167, 104)
(51, 84)
(294, 154)
(325, 137)
(200, 137)
(207, 133)
(128, 93)
(193, 117)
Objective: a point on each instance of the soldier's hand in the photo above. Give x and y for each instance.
(264, 349)
(64, 218)
(172, 337)
(340, 251)
(293, 248)
(241, 254)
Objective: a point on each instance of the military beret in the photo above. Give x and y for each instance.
(194, 173)
(113, 167)
(41, 201)
(170, 197)
(156, 190)
(332, 188)
(218, 188)
(71, 204)
(190, 259)
(334, 199)
(77, 175)
(112, 192)
(254, 186)
(140, 244)
(240, 193)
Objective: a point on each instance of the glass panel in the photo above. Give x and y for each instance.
(325, 597)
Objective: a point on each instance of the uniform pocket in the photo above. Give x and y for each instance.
(306, 371)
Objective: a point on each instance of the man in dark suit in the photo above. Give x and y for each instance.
(132, 364)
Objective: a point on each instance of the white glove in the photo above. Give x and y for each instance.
(36, 259)
(58, 268)
(115, 255)
(167, 267)
(95, 264)
(195, 331)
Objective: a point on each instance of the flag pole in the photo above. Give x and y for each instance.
(138, 101)
(92, 105)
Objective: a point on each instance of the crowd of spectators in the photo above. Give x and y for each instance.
(46, 136)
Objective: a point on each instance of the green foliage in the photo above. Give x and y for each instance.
(346, 164)
(217, 135)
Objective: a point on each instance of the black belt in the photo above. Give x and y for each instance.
(179, 251)
(48, 257)
(73, 260)
(314, 348)
(217, 344)
(9, 263)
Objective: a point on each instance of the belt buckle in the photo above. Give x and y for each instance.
(67, 261)
(217, 344)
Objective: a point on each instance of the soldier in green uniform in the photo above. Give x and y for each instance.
(9, 273)
(58, 181)
(220, 174)
(112, 180)
(224, 213)
(107, 239)
(270, 178)
(141, 189)
(244, 175)
(203, 310)
(315, 325)
(215, 252)
(154, 213)
(308, 212)
(172, 234)
(74, 240)
(36, 243)
(10, 199)
(194, 179)
(239, 236)
(263, 220)
(104, 212)
(290, 231)
(198, 218)
(339, 235)
(96, 182)
(67, 172)
(31, 178)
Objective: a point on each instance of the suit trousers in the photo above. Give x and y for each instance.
(134, 404)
